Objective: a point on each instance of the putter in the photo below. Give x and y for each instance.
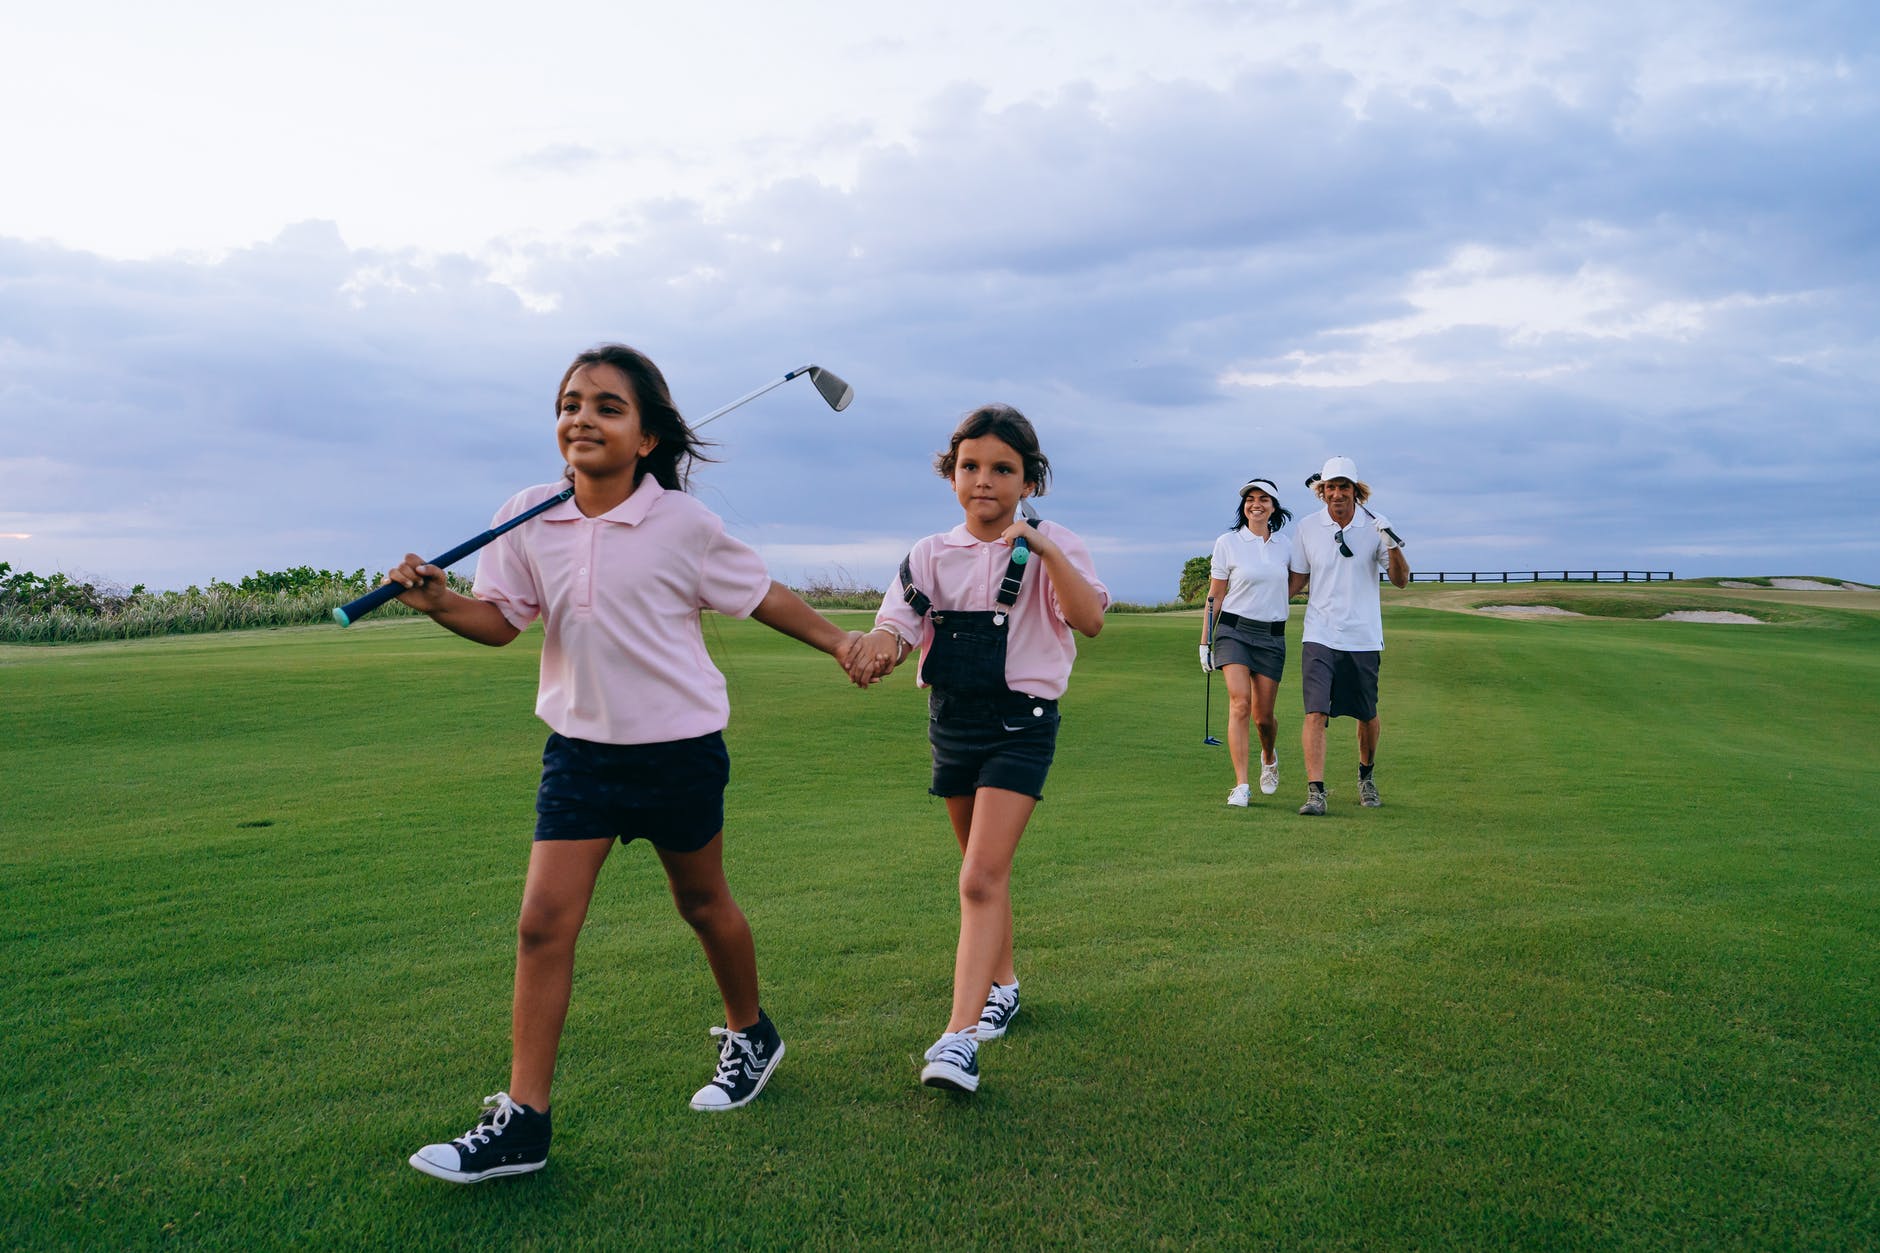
(832, 389)
(1313, 478)
(1207, 681)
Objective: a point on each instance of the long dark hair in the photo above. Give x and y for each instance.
(1005, 423)
(1280, 516)
(670, 462)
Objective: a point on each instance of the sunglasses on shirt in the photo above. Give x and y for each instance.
(1344, 549)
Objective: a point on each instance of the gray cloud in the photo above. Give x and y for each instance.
(1604, 326)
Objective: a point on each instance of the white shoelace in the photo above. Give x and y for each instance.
(492, 1123)
(728, 1059)
(954, 1048)
(1005, 998)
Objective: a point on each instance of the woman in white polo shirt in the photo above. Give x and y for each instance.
(1247, 585)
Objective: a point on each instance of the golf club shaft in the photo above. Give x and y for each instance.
(351, 612)
(1387, 530)
(747, 398)
(1207, 684)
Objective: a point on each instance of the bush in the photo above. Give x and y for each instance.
(1194, 584)
(303, 579)
(26, 592)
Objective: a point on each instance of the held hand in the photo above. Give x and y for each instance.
(846, 651)
(425, 587)
(1207, 659)
(871, 657)
(1034, 540)
(1385, 535)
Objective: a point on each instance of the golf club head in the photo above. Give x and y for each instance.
(1214, 743)
(832, 388)
(1311, 479)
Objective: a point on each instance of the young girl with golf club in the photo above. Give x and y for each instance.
(618, 575)
(991, 605)
(1247, 578)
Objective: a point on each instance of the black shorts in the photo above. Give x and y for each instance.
(999, 739)
(671, 794)
(1253, 645)
(1339, 684)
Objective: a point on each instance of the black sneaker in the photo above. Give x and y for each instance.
(509, 1139)
(746, 1060)
(953, 1062)
(1001, 1008)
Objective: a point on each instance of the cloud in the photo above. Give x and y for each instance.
(1566, 308)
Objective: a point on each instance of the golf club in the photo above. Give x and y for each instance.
(832, 389)
(1207, 683)
(1313, 478)
(1021, 551)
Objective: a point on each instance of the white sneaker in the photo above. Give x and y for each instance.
(953, 1062)
(1240, 796)
(1269, 776)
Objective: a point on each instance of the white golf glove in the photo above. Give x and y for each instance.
(1207, 659)
(1384, 535)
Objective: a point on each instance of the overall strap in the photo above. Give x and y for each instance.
(1014, 576)
(1015, 568)
(911, 594)
(1008, 586)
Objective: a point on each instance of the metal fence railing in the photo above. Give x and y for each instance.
(1540, 576)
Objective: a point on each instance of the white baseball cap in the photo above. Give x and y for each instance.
(1340, 468)
(1260, 485)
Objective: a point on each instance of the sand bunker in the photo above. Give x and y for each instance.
(1757, 587)
(1812, 585)
(1550, 610)
(1708, 615)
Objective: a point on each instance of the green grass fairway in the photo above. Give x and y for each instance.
(1603, 972)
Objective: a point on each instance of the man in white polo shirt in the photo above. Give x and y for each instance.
(1337, 555)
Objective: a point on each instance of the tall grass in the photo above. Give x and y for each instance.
(179, 613)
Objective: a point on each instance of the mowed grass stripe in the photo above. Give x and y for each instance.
(1601, 972)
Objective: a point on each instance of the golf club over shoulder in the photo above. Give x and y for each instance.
(836, 393)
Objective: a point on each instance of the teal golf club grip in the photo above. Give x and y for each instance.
(352, 611)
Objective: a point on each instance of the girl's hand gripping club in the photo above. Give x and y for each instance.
(351, 612)
(1021, 551)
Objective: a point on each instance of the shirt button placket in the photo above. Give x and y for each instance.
(586, 573)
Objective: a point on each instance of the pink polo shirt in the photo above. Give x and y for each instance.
(959, 572)
(619, 596)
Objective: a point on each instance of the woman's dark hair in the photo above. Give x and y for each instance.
(1280, 516)
(670, 462)
(1005, 423)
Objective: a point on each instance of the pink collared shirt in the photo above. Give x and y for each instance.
(619, 596)
(959, 572)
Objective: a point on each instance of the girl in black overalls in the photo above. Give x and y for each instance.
(991, 605)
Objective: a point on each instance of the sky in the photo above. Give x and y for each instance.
(1576, 286)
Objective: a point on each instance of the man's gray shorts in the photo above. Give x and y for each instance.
(1338, 683)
